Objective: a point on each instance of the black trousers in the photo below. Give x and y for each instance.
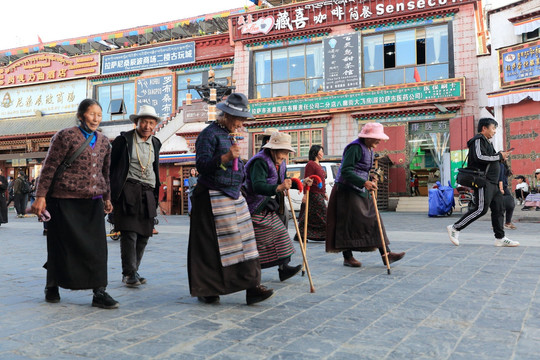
(509, 205)
(3, 209)
(489, 197)
(132, 247)
(20, 203)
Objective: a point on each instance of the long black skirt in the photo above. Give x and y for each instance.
(3, 209)
(207, 276)
(76, 244)
(352, 222)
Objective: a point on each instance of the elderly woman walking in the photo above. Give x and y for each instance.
(222, 253)
(266, 181)
(77, 200)
(352, 221)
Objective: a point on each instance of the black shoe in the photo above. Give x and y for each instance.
(288, 272)
(141, 279)
(103, 300)
(258, 294)
(45, 232)
(52, 295)
(208, 299)
(131, 280)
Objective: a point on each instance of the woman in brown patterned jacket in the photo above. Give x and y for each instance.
(77, 201)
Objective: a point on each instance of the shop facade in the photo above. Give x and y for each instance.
(320, 69)
(39, 96)
(514, 83)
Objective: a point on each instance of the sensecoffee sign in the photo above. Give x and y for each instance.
(324, 13)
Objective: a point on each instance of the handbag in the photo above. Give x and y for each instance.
(471, 177)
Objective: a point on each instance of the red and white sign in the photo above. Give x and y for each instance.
(324, 13)
(48, 67)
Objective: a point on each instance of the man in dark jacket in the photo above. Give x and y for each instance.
(20, 196)
(134, 190)
(483, 156)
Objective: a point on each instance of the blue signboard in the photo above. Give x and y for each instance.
(520, 64)
(158, 92)
(163, 56)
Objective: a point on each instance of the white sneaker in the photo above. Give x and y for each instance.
(453, 234)
(506, 242)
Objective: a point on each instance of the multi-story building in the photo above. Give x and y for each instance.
(316, 69)
(510, 79)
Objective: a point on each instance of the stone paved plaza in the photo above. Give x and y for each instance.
(475, 301)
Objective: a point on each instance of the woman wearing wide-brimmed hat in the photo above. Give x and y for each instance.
(351, 217)
(266, 181)
(222, 253)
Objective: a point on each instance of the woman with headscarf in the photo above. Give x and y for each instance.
(77, 201)
(222, 253)
(352, 221)
(266, 180)
(316, 229)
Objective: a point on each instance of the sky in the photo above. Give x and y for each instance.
(55, 20)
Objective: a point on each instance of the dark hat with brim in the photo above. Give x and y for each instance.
(520, 177)
(236, 104)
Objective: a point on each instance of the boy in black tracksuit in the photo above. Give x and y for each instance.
(483, 156)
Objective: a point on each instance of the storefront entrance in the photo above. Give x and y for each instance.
(429, 153)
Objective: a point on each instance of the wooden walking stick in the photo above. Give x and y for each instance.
(374, 196)
(302, 246)
(316, 180)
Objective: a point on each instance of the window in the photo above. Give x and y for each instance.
(196, 78)
(114, 92)
(288, 71)
(535, 34)
(391, 58)
(301, 141)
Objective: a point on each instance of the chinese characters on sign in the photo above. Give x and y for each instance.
(366, 98)
(157, 57)
(520, 64)
(429, 127)
(157, 92)
(51, 98)
(323, 13)
(341, 63)
(47, 67)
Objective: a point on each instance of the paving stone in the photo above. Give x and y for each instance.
(475, 301)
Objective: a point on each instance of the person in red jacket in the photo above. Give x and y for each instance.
(316, 230)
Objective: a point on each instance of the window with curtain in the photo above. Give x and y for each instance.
(391, 58)
(196, 78)
(125, 91)
(288, 71)
(301, 140)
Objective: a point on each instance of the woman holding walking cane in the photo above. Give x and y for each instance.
(352, 223)
(266, 180)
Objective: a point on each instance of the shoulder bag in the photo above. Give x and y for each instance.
(471, 177)
(67, 163)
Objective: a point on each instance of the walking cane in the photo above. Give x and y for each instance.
(316, 180)
(374, 196)
(302, 246)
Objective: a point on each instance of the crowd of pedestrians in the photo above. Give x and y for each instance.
(238, 216)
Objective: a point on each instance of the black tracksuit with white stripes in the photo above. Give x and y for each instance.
(481, 155)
